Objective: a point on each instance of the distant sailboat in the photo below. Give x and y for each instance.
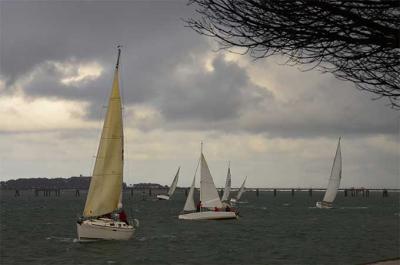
(171, 189)
(103, 217)
(210, 207)
(240, 192)
(334, 181)
(227, 189)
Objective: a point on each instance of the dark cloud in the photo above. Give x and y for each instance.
(211, 96)
(36, 31)
(163, 67)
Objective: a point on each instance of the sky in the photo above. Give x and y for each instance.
(276, 124)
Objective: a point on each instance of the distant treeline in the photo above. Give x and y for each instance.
(81, 182)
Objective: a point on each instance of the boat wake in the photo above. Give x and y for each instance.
(60, 239)
(353, 207)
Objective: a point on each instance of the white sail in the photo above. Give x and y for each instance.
(174, 183)
(241, 190)
(189, 204)
(208, 192)
(227, 188)
(336, 175)
(106, 182)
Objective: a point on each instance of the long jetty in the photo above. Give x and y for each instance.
(151, 192)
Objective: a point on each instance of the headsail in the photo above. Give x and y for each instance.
(189, 204)
(174, 183)
(227, 188)
(208, 192)
(336, 175)
(106, 182)
(241, 190)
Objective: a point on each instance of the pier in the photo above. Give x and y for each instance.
(146, 192)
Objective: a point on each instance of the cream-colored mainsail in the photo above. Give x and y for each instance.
(106, 183)
(208, 192)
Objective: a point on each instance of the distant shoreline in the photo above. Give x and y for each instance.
(83, 182)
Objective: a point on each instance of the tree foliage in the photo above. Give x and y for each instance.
(358, 41)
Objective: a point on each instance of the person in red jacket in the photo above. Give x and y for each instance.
(123, 217)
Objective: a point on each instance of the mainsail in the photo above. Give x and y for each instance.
(208, 192)
(189, 204)
(227, 188)
(241, 190)
(336, 175)
(106, 182)
(174, 183)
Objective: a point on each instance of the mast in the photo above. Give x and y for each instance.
(119, 55)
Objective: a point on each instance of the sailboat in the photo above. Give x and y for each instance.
(334, 181)
(103, 216)
(210, 205)
(227, 189)
(171, 189)
(240, 192)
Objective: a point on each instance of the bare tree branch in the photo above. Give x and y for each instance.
(357, 41)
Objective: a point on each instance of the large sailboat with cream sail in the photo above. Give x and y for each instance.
(210, 206)
(171, 189)
(103, 216)
(334, 181)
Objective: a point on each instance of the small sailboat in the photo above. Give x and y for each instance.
(240, 192)
(227, 189)
(103, 216)
(334, 181)
(210, 206)
(171, 189)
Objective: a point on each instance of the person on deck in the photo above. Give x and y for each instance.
(198, 206)
(123, 217)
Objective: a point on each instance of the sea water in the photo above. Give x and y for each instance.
(284, 229)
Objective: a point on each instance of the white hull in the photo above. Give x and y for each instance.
(208, 215)
(323, 205)
(104, 229)
(163, 197)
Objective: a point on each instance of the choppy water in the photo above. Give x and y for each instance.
(272, 230)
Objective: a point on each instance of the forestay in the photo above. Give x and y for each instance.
(336, 175)
(208, 192)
